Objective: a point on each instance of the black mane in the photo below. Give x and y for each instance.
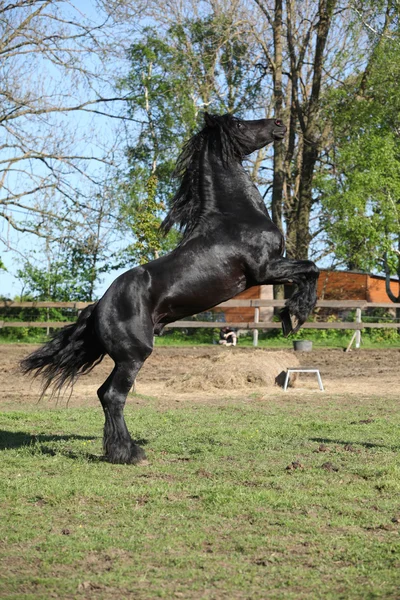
(186, 206)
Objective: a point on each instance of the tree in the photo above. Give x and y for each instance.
(293, 59)
(199, 64)
(361, 192)
(63, 278)
(69, 268)
(53, 67)
(307, 51)
(299, 49)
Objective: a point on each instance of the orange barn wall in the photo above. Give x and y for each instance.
(339, 285)
(377, 289)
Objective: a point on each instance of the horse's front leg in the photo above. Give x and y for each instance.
(304, 274)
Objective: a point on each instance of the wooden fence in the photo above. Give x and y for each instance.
(358, 305)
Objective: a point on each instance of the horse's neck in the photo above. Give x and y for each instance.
(226, 188)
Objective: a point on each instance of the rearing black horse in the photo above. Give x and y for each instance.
(229, 243)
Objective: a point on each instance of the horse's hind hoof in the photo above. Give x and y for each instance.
(138, 455)
(130, 454)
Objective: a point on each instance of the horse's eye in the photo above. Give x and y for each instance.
(239, 124)
(278, 122)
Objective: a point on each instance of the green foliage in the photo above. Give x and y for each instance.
(25, 335)
(361, 195)
(31, 335)
(198, 64)
(160, 97)
(143, 221)
(217, 57)
(69, 276)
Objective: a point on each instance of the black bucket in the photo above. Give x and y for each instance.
(302, 345)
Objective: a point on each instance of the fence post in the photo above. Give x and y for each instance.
(358, 331)
(256, 320)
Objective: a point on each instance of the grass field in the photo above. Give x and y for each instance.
(292, 498)
(329, 338)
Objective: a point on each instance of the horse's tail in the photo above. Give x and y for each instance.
(72, 351)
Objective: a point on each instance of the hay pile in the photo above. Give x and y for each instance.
(234, 369)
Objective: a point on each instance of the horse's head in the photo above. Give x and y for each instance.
(225, 140)
(248, 136)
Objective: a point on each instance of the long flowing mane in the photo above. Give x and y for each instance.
(185, 208)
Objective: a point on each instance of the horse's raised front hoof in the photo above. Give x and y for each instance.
(290, 323)
(296, 323)
(284, 316)
(124, 454)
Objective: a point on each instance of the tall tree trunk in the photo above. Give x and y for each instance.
(305, 201)
(311, 134)
(279, 147)
(292, 178)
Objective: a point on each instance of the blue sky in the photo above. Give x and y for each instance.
(20, 245)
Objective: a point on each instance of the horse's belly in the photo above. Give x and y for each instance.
(198, 291)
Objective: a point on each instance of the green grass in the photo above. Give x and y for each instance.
(328, 338)
(320, 338)
(215, 513)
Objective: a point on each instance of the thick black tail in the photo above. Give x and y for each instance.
(74, 350)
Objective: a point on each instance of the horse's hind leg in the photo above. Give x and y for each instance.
(118, 444)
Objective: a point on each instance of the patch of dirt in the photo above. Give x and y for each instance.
(233, 370)
(204, 374)
(328, 466)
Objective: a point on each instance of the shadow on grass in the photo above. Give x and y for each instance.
(356, 443)
(18, 439)
(21, 439)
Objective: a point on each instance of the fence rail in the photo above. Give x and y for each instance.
(253, 303)
(357, 325)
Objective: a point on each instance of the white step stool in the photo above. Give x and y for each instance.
(303, 370)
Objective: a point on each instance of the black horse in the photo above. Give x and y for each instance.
(229, 243)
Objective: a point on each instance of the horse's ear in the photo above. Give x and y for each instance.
(210, 120)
